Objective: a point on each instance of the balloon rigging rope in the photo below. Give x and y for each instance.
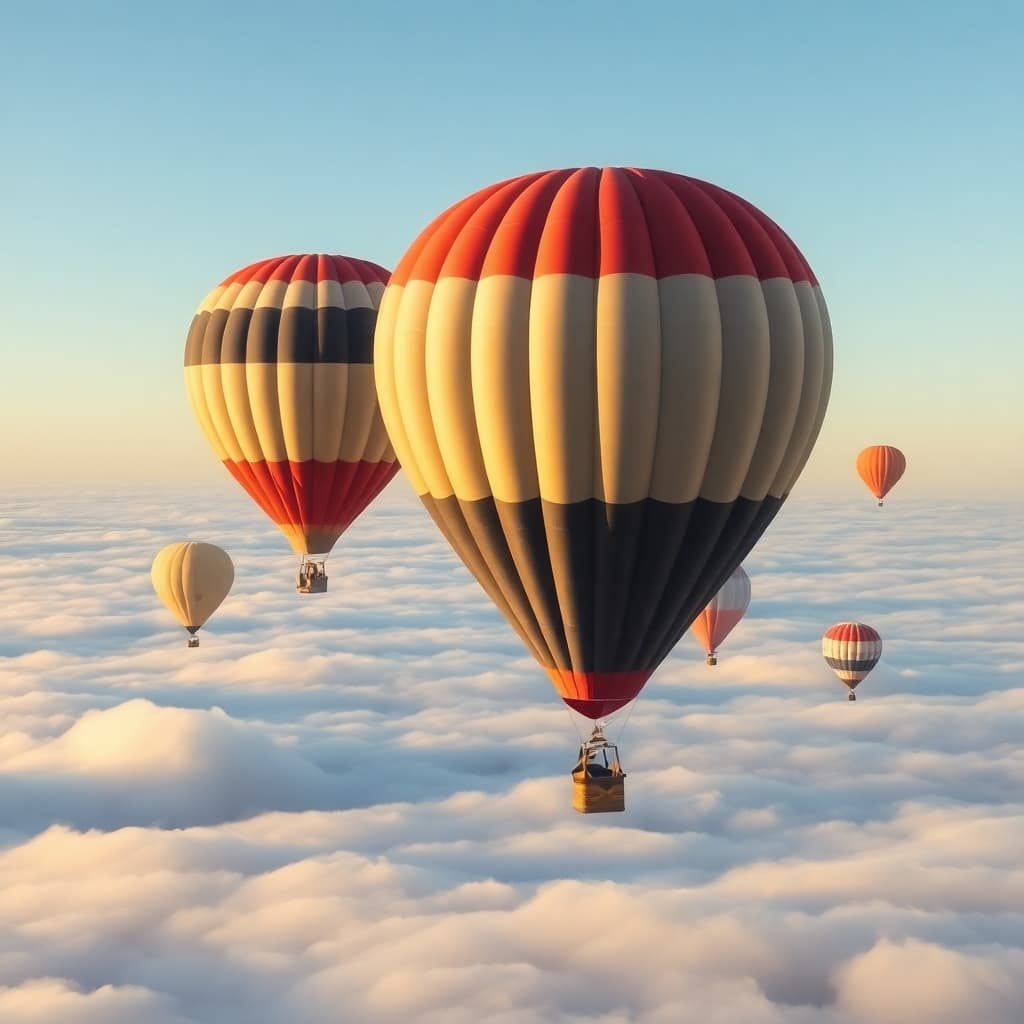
(632, 704)
(575, 727)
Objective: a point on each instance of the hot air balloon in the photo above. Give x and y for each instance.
(278, 365)
(852, 650)
(880, 467)
(192, 579)
(602, 383)
(722, 614)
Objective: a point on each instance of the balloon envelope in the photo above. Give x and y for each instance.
(723, 612)
(602, 383)
(851, 650)
(880, 466)
(279, 370)
(192, 579)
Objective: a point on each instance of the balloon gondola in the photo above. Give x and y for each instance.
(602, 383)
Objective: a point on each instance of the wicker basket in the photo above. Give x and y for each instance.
(598, 796)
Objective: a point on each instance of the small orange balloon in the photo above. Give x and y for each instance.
(880, 467)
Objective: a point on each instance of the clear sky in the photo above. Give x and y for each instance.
(148, 153)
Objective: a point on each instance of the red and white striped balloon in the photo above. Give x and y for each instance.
(852, 650)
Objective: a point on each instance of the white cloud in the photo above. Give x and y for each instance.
(357, 806)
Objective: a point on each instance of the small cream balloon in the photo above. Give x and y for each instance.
(192, 579)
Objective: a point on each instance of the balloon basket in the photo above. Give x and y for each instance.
(193, 641)
(598, 781)
(312, 578)
(598, 796)
(852, 696)
(712, 659)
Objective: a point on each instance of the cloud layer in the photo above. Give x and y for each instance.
(356, 806)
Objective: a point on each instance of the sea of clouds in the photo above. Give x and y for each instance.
(355, 808)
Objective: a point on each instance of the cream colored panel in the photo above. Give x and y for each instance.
(628, 385)
(259, 393)
(241, 296)
(295, 409)
(215, 299)
(217, 379)
(330, 400)
(271, 293)
(377, 447)
(376, 290)
(206, 578)
(410, 340)
(500, 367)
(785, 386)
(817, 378)
(386, 385)
(691, 369)
(207, 575)
(563, 385)
(165, 574)
(745, 369)
(197, 396)
(298, 293)
(438, 397)
(347, 295)
(359, 412)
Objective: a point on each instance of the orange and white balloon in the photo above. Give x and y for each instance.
(722, 614)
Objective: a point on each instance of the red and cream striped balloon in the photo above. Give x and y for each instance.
(880, 466)
(722, 614)
(279, 370)
(602, 383)
(851, 650)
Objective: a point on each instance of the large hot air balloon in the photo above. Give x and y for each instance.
(722, 614)
(192, 579)
(880, 466)
(852, 650)
(279, 369)
(602, 383)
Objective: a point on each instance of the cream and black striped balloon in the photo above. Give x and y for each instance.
(279, 370)
(603, 384)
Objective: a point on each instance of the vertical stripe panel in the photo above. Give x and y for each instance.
(360, 408)
(563, 385)
(330, 388)
(785, 386)
(385, 381)
(449, 387)
(691, 367)
(411, 329)
(628, 341)
(216, 383)
(499, 360)
(745, 371)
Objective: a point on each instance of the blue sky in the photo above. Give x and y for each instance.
(149, 154)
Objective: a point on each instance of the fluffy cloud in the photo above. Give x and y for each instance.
(356, 806)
